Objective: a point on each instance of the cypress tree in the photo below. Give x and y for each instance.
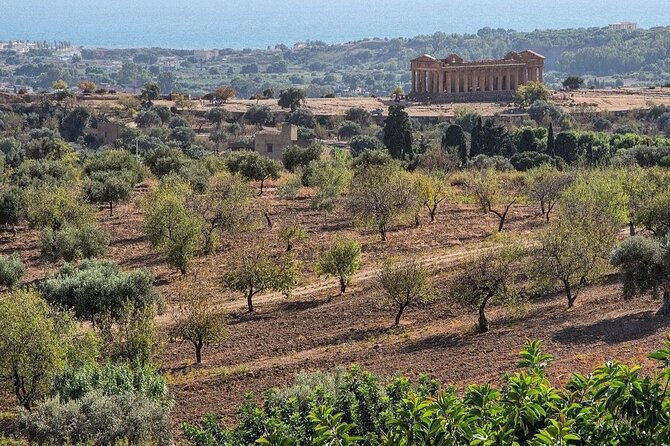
(398, 133)
(475, 138)
(551, 141)
(455, 137)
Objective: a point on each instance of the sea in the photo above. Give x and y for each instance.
(238, 24)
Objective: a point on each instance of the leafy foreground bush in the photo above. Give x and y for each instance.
(614, 405)
(100, 419)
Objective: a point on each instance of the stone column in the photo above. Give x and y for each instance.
(515, 79)
(467, 81)
(540, 70)
(440, 84)
(413, 81)
(447, 88)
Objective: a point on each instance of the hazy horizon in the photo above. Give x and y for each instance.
(261, 23)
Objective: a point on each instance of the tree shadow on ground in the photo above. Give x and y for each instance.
(352, 336)
(435, 342)
(616, 330)
(302, 305)
(128, 241)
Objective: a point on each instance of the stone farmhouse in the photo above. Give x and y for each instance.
(456, 80)
(273, 142)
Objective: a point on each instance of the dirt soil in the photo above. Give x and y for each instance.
(316, 329)
(583, 100)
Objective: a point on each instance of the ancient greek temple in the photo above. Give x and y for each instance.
(453, 79)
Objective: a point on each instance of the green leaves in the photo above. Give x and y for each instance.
(532, 357)
(613, 406)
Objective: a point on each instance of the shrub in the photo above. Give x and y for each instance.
(295, 157)
(12, 207)
(363, 143)
(528, 160)
(165, 160)
(11, 270)
(71, 243)
(109, 379)
(97, 289)
(290, 188)
(96, 418)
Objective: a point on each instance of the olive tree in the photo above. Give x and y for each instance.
(56, 206)
(291, 233)
(545, 185)
(226, 206)
(330, 178)
(254, 271)
(404, 284)
(575, 249)
(342, 260)
(495, 193)
(34, 345)
(380, 195)
(489, 275)
(99, 290)
(170, 225)
(253, 167)
(433, 190)
(109, 188)
(199, 322)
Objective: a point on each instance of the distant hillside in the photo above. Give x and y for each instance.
(373, 66)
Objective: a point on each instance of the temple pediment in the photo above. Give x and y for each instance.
(424, 58)
(453, 59)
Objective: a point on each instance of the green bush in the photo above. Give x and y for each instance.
(12, 207)
(71, 243)
(615, 404)
(98, 288)
(110, 379)
(12, 270)
(100, 419)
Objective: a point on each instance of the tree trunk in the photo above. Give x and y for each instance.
(111, 209)
(432, 213)
(261, 188)
(267, 219)
(382, 232)
(665, 310)
(417, 223)
(198, 352)
(631, 227)
(483, 322)
(343, 285)
(568, 293)
(399, 315)
(250, 303)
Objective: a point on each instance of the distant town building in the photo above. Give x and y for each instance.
(454, 79)
(623, 25)
(272, 142)
(204, 55)
(106, 132)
